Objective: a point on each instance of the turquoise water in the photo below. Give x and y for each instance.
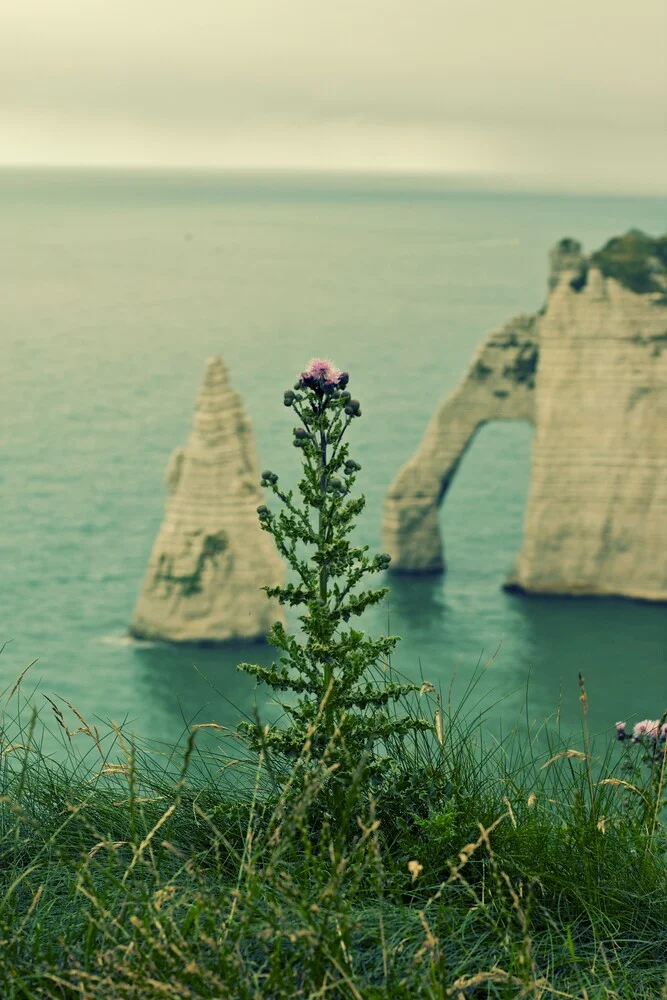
(116, 288)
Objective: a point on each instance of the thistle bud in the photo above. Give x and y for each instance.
(343, 379)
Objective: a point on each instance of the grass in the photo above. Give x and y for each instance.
(467, 868)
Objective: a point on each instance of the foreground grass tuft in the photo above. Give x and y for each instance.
(462, 870)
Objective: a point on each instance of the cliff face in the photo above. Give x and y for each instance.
(590, 371)
(211, 557)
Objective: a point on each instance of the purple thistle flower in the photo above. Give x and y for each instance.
(322, 375)
(621, 733)
(653, 731)
(646, 728)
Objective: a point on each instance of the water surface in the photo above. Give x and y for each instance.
(117, 287)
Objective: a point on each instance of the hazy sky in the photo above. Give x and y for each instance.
(567, 94)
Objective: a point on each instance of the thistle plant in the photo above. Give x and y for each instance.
(651, 736)
(650, 733)
(328, 668)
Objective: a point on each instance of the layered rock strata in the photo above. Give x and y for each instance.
(211, 557)
(590, 372)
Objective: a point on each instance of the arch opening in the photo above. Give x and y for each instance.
(481, 510)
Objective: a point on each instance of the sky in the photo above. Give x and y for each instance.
(565, 96)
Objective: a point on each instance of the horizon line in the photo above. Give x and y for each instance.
(479, 182)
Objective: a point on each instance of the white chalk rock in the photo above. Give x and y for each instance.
(211, 558)
(590, 371)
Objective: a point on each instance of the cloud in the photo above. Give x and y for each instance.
(521, 87)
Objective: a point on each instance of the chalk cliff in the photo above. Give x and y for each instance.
(590, 372)
(211, 557)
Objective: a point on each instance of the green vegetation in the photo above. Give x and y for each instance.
(481, 371)
(329, 670)
(190, 583)
(377, 845)
(636, 260)
(657, 342)
(580, 280)
(569, 246)
(523, 368)
(461, 869)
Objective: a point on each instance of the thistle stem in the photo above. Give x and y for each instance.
(324, 575)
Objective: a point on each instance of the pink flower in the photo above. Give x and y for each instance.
(653, 731)
(322, 374)
(319, 368)
(620, 731)
(646, 728)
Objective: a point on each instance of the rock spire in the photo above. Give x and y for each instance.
(211, 557)
(590, 372)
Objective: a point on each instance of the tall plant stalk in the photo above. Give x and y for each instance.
(329, 667)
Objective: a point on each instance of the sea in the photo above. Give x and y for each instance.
(116, 288)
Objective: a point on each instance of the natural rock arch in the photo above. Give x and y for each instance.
(590, 372)
(499, 385)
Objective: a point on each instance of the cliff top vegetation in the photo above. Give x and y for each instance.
(635, 260)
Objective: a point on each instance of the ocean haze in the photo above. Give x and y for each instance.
(559, 97)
